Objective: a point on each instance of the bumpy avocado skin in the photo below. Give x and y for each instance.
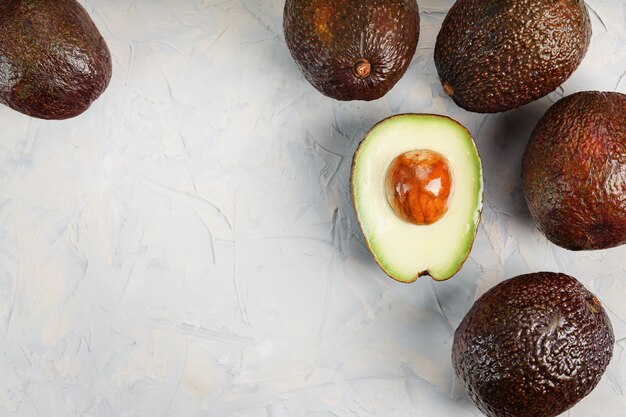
(494, 56)
(327, 37)
(574, 171)
(53, 61)
(533, 346)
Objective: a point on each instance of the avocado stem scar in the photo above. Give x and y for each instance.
(362, 68)
(447, 88)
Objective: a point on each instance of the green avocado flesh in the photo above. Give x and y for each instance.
(404, 250)
(533, 346)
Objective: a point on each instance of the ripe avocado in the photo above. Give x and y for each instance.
(533, 346)
(352, 49)
(494, 56)
(417, 189)
(574, 171)
(53, 61)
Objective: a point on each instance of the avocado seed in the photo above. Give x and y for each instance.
(418, 185)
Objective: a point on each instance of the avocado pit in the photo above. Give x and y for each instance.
(418, 185)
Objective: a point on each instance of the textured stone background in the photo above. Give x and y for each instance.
(187, 247)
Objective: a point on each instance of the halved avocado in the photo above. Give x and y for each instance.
(404, 243)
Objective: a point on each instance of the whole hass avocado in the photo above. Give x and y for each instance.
(53, 61)
(352, 49)
(533, 346)
(494, 56)
(574, 171)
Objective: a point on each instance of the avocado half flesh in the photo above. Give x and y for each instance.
(406, 251)
(533, 346)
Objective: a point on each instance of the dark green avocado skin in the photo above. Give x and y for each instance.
(493, 56)
(328, 37)
(533, 346)
(574, 171)
(53, 61)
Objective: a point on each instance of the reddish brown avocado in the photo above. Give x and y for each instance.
(53, 61)
(574, 171)
(494, 56)
(533, 346)
(352, 49)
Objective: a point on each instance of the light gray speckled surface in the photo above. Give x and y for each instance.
(187, 247)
